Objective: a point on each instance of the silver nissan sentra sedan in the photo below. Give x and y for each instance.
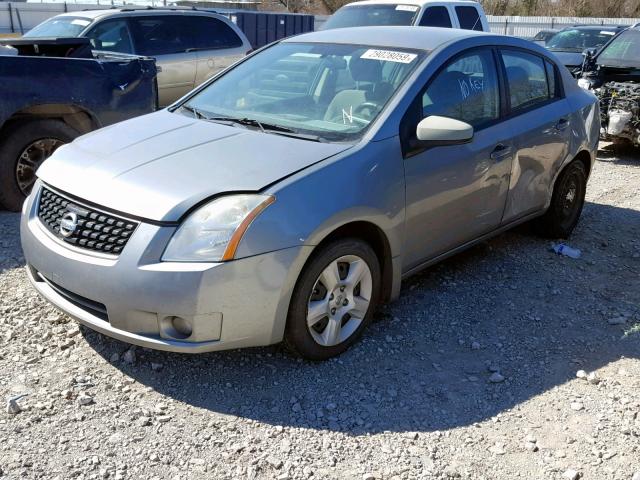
(285, 198)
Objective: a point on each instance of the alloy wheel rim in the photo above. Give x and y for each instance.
(339, 300)
(569, 199)
(30, 160)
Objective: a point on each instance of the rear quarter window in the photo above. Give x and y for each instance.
(212, 33)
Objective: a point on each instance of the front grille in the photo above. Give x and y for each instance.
(84, 226)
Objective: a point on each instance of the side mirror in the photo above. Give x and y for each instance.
(443, 131)
(589, 52)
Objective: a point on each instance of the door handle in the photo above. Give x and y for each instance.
(562, 124)
(500, 152)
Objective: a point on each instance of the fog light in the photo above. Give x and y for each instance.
(182, 327)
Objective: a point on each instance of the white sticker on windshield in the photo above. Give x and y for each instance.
(389, 56)
(604, 32)
(80, 21)
(406, 8)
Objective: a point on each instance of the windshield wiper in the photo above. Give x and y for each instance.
(268, 127)
(252, 122)
(196, 113)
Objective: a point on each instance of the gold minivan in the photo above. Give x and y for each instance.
(189, 46)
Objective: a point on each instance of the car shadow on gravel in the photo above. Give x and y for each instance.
(620, 154)
(430, 361)
(10, 249)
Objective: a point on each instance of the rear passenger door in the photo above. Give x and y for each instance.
(456, 193)
(217, 44)
(167, 38)
(539, 117)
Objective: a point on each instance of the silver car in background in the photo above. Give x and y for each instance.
(287, 197)
(189, 46)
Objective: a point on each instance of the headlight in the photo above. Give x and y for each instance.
(584, 83)
(212, 233)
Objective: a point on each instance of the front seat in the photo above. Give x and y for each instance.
(448, 95)
(345, 102)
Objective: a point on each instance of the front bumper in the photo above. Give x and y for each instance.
(133, 297)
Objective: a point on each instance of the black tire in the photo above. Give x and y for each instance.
(16, 139)
(566, 203)
(297, 338)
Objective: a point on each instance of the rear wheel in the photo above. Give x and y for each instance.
(25, 147)
(333, 300)
(566, 203)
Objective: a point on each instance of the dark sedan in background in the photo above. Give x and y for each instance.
(571, 43)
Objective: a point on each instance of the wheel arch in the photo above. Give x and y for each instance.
(376, 238)
(75, 116)
(583, 156)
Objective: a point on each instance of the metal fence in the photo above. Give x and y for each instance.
(529, 26)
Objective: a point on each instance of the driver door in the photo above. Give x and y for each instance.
(456, 193)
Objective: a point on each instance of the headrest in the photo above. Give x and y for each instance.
(365, 70)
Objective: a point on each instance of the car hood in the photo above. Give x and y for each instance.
(160, 165)
(569, 59)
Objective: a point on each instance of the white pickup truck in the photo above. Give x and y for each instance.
(465, 14)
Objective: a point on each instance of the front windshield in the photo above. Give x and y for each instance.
(58, 27)
(579, 39)
(370, 15)
(327, 90)
(623, 51)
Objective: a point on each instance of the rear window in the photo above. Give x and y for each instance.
(469, 18)
(370, 15)
(436, 17)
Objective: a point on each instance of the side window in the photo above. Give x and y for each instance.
(469, 18)
(211, 33)
(436, 17)
(112, 36)
(526, 78)
(467, 90)
(161, 35)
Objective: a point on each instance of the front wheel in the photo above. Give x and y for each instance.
(566, 203)
(333, 300)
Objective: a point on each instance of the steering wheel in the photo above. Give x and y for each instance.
(372, 107)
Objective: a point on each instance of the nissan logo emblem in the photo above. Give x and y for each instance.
(68, 224)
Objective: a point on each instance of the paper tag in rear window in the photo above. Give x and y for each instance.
(389, 56)
(406, 8)
(605, 32)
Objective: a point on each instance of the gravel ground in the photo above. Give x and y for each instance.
(506, 361)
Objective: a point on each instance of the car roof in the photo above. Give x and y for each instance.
(423, 38)
(414, 2)
(94, 14)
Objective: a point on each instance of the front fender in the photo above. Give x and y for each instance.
(365, 183)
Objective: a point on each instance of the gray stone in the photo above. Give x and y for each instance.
(571, 474)
(84, 399)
